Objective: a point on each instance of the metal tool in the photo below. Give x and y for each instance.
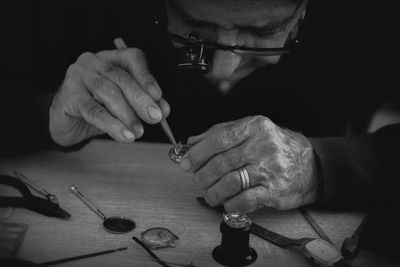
(114, 224)
(29, 201)
(151, 253)
(168, 132)
(50, 263)
(316, 250)
(35, 187)
(156, 258)
(314, 224)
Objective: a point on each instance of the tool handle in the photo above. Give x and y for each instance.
(18, 184)
(36, 204)
(74, 189)
(50, 263)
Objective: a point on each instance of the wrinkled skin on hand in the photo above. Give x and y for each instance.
(280, 164)
(108, 92)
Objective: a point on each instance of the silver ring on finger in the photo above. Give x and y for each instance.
(244, 178)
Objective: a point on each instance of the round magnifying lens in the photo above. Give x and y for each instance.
(119, 224)
(113, 224)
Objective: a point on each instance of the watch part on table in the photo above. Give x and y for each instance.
(159, 237)
(176, 153)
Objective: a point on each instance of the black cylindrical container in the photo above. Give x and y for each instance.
(235, 250)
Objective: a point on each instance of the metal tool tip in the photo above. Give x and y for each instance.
(73, 187)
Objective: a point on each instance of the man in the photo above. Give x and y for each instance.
(273, 113)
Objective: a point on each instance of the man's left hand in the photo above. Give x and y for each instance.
(280, 164)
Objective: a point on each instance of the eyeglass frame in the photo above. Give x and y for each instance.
(190, 40)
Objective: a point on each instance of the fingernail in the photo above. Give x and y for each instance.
(186, 165)
(139, 131)
(154, 92)
(128, 135)
(154, 113)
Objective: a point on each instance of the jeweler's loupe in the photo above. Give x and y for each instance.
(113, 224)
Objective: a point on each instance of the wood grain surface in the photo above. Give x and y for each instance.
(140, 181)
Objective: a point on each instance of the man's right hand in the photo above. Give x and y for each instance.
(107, 92)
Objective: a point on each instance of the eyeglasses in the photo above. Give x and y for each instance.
(195, 52)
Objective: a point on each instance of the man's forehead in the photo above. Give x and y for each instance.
(229, 12)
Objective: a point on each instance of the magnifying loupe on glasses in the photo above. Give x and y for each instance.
(113, 224)
(196, 53)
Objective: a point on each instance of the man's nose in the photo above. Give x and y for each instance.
(225, 62)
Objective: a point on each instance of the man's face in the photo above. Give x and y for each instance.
(251, 23)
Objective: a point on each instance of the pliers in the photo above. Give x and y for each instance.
(29, 201)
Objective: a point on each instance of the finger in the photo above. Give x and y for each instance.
(220, 140)
(230, 185)
(220, 165)
(227, 187)
(141, 102)
(154, 89)
(165, 107)
(98, 116)
(119, 43)
(197, 138)
(134, 61)
(110, 95)
(138, 129)
(249, 200)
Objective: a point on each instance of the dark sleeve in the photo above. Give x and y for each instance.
(359, 171)
(24, 119)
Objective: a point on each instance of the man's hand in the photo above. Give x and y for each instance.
(280, 164)
(107, 92)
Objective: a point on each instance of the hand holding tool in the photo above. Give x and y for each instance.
(120, 44)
